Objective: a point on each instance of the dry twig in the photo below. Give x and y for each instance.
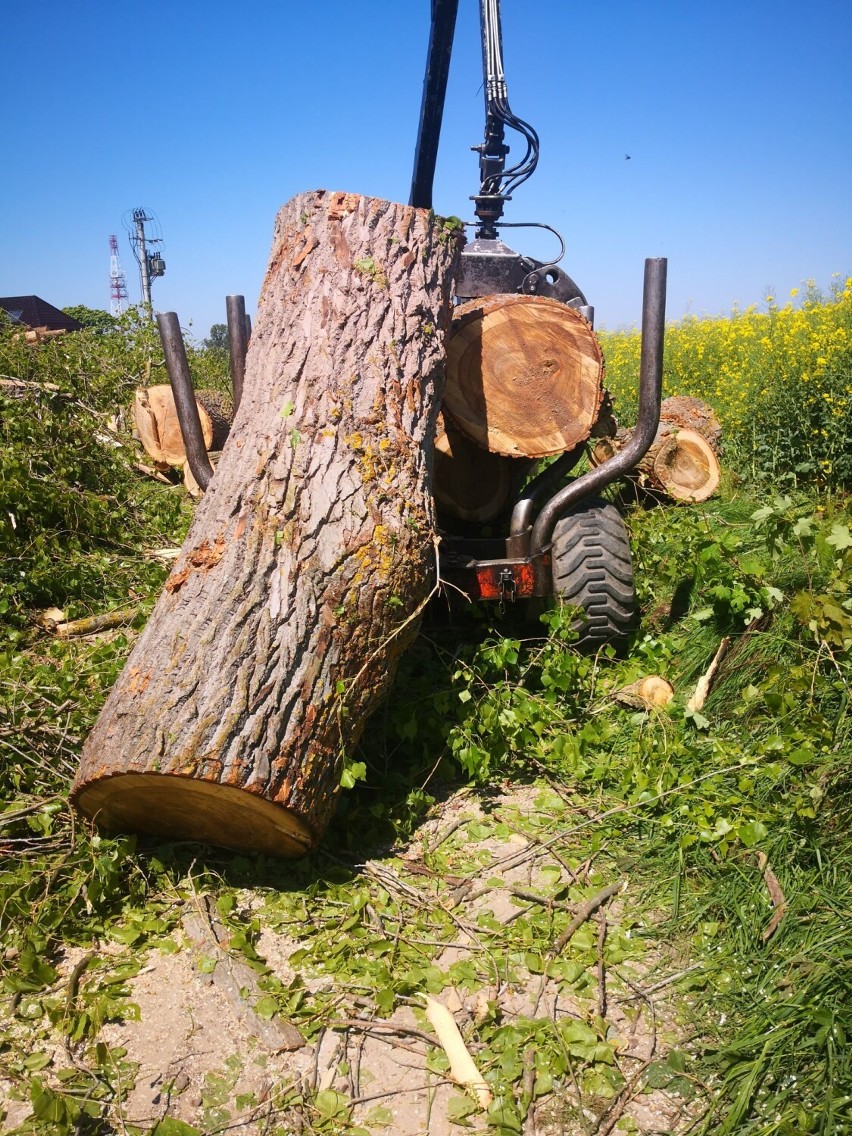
(588, 909)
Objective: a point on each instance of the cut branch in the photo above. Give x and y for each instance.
(586, 911)
(702, 687)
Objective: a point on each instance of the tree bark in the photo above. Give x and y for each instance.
(683, 460)
(311, 552)
(524, 375)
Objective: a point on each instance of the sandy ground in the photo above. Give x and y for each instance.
(201, 1059)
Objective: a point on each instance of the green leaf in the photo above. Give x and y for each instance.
(37, 1061)
(385, 1000)
(459, 1108)
(380, 1117)
(266, 1008)
(800, 757)
(331, 1105)
(697, 719)
(752, 833)
(171, 1126)
(840, 537)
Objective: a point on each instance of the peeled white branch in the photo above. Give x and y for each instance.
(463, 1069)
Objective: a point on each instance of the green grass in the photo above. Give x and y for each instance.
(682, 803)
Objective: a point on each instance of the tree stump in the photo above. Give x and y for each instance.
(683, 460)
(524, 375)
(310, 555)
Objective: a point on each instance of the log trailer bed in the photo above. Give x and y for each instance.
(566, 541)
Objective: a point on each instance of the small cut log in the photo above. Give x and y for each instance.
(524, 375)
(683, 460)
(311, 554)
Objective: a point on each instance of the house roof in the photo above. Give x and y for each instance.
(33, 311)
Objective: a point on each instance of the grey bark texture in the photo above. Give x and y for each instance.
(311, 553)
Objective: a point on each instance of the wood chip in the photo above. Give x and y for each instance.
(702, 689)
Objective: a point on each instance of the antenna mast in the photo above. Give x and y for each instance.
(117, 280)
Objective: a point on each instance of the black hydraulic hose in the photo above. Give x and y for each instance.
(650, 394)
(185, 404)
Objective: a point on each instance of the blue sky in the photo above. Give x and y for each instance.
(737, 117)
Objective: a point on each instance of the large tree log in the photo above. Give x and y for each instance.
(156, 421)
(524, 375)
(470, 483)
(683, 460)
(310, 554)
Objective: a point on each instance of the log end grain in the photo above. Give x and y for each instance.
(468, 482)
(156, 420)
(686, 467)
(184, 808)
(524, 375)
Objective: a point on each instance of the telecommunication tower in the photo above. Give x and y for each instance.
(151, 264)
(117, 280)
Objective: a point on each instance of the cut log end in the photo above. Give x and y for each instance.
(686, 467)
(185, 808)
(468, 482)
(683, 460)
(524, 375)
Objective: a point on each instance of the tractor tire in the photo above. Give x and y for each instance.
(592, 570)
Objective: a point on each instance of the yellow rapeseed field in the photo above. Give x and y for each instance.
(780, 380)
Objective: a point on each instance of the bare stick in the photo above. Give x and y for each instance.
(601, 967)
(588, 909)
(11, 384)
(613, 1114)
(664, 982)
(90, 624)
(383, 1027)
(448, 832)
(532, 897)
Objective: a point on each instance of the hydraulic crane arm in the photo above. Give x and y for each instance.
(496, 182)
(432, 107)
